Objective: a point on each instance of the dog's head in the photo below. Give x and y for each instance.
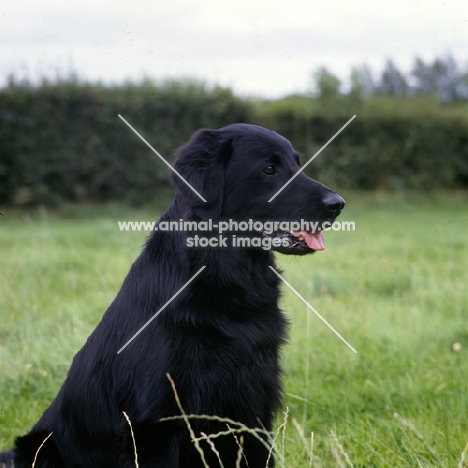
(246, 172)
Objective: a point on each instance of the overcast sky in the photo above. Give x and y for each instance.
(257, 47)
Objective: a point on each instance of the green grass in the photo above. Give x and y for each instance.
(395, 289)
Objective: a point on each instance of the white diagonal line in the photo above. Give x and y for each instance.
(163, 160)
(313, 310)
(312, 158)
(161, 309)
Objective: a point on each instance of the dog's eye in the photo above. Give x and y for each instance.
(269, 170)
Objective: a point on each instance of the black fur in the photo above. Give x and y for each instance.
(6, 459)
(219, 339)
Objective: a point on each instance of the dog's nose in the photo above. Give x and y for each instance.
(333, 203)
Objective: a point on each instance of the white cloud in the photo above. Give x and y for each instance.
(262, 46)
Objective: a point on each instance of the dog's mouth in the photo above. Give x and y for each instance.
(297, 242)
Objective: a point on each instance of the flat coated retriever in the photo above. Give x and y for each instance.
(218, 340)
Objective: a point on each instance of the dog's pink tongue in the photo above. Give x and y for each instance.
(314, 240)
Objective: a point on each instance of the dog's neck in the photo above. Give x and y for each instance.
(227, 268)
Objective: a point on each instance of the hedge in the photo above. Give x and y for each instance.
(66, 143)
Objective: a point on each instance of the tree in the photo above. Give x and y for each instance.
(440, 79)
(328, 86)
(450, 80)
(362, 83)
(425, 79)
(392, 81)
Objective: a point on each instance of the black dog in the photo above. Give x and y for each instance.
(218, 339)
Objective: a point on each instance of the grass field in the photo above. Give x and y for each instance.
(396, 289)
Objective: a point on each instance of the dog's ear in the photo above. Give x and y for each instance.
(202, 162)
